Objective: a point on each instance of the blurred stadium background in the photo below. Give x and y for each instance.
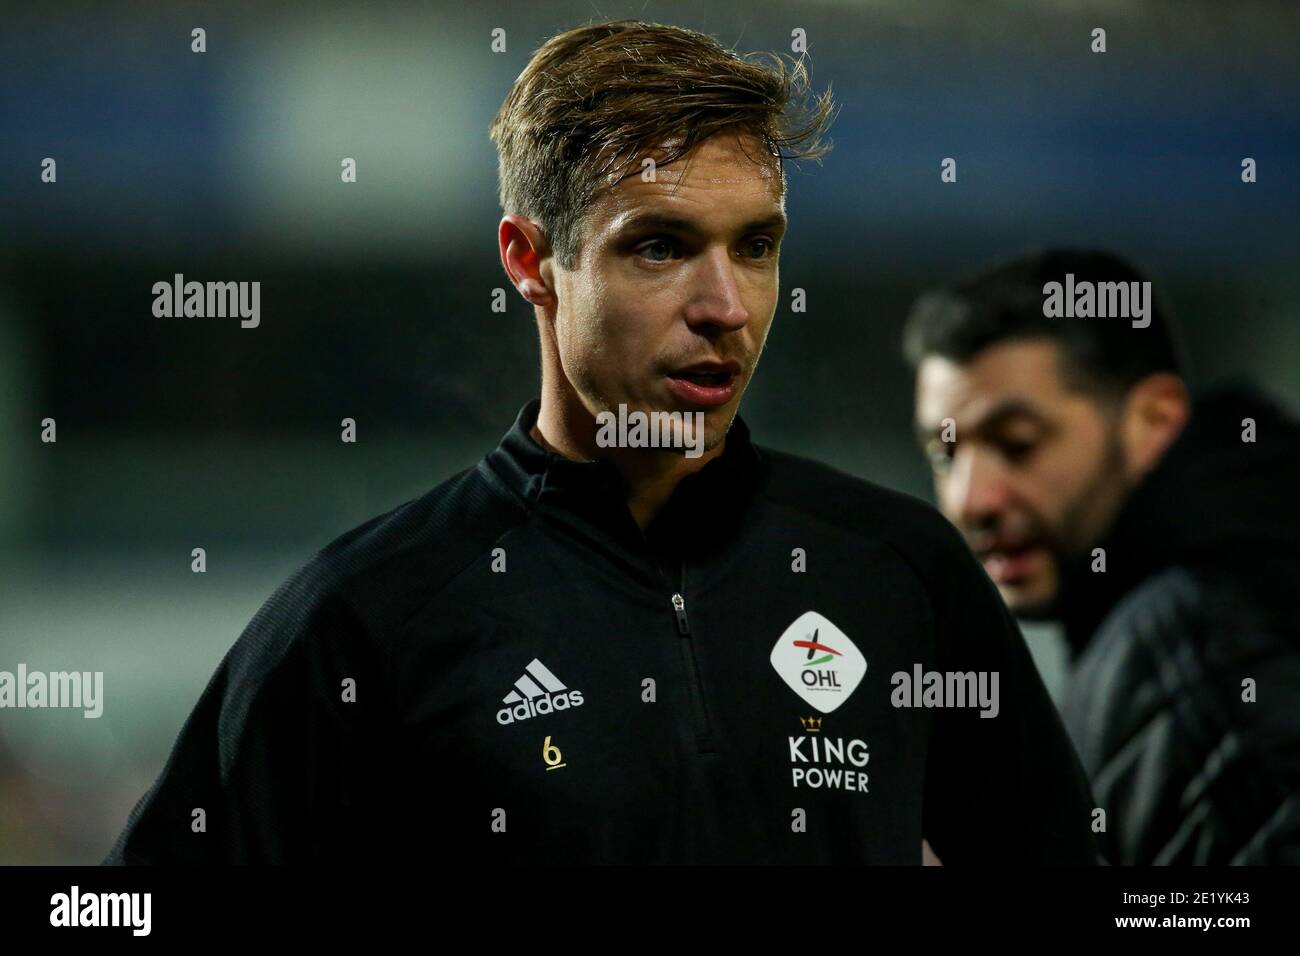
(176, 433)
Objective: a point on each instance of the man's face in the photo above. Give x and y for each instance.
(1035, 471)
(676, 287)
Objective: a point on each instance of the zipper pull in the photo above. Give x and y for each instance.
(679, 606)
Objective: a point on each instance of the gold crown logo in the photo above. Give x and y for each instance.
(811, 724)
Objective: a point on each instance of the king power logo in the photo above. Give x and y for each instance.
(818, 662)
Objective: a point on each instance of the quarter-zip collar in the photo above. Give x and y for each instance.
(703, 512)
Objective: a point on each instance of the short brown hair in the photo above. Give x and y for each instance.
(594, 100)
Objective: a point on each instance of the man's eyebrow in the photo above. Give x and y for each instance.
(1006, 409)
(637, 222)
(776, 221)
(1001, 412)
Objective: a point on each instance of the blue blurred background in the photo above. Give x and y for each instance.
(376, 296)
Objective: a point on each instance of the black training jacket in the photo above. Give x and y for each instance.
(507, 670)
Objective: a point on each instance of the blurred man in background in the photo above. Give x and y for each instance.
(1162, 530)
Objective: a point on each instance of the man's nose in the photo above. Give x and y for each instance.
(716, 298)
(977, 487)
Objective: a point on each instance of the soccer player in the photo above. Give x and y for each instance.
(1162, 530)
(601, 647)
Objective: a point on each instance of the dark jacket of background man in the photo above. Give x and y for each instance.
(1201, 593)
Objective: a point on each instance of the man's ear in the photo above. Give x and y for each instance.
(525, 255)
(1155, 412)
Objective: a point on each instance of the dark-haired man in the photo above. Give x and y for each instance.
(1163, 531)
(597, 647)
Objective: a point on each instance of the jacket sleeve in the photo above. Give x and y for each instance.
(1184, 710)
(273, 763)
(1004, 789)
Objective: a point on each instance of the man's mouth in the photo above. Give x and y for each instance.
(706, 383)
(707, 379)
(1011, 564)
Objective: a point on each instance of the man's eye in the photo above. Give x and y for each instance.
(650, 249)
(764, 246)
(1017, 451)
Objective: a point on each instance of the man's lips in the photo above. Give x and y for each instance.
(706, 383)
(1011, 565)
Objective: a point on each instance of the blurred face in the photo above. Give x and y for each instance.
(676, 287)
(1035, 471)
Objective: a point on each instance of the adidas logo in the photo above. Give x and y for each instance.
(537, 692)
